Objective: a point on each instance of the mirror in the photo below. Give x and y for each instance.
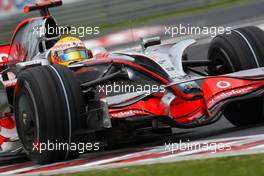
(147, 42)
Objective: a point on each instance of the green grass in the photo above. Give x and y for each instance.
(229, 166)
(168, 15)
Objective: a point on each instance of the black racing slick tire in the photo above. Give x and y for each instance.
(48, 104)
(242, 49)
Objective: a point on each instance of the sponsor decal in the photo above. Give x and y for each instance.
(66, 45)
(2, 56)
(128, 113)
(223, 84)
(229, 93)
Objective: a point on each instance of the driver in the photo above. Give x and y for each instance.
(69, 50)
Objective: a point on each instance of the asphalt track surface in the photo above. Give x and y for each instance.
(237, 14)
(221, 129)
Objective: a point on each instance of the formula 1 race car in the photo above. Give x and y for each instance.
(109, 97)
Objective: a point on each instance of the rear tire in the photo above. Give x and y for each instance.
(242, 49)
(48, 104)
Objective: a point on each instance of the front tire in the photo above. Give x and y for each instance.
(242, 49)
(48, 104)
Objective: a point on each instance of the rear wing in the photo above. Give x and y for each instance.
(4, 50)
(43, 7)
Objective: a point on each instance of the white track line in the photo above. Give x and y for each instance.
(187, 155)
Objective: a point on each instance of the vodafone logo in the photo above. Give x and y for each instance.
(2, 55)
(223, 84)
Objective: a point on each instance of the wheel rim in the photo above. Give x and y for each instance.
(222, 61)
(27, 120)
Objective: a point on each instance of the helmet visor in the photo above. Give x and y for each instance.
(72, 54)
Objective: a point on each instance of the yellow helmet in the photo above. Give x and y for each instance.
(69, 50)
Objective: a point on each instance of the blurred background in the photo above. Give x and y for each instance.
(122, 22)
